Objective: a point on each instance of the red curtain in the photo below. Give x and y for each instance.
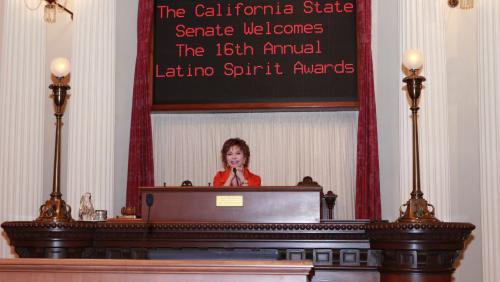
(140, 160)
(367, 165)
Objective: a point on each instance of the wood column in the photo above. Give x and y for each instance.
(418, 252)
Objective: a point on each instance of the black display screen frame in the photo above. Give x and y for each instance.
(258, 91)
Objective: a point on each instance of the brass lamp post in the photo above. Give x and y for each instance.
(417, 208)
(55, 209)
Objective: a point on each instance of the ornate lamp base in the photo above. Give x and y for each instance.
(55, 210)
(417, 211)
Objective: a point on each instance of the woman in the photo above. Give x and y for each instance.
(235, 156)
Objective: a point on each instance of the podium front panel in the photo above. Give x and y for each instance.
(243, 205)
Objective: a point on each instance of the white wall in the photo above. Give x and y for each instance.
(90, 157)
(387, 88)
(22, 84)
(126, 49)
(464, 135)
(1, 22)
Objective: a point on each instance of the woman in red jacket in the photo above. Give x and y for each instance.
(235, 156)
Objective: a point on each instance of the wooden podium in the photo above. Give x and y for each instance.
(242, 205)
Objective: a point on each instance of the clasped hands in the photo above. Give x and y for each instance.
(239, 175)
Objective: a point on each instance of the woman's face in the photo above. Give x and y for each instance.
(235, 157)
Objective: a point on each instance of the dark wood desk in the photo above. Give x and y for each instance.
(340, 250)
(353, 250)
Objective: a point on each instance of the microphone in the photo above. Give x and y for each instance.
(149, 202)
(150, 198)
(237, 178)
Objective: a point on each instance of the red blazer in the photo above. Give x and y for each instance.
(221, 177)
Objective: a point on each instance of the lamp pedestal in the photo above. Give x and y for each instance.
(417, 208)
(55, 209)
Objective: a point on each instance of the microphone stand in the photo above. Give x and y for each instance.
(237, 178)
(149, 203)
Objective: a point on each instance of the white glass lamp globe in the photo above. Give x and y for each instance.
(60, 67)
(413, 59)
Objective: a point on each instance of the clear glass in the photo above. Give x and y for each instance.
(50, 13)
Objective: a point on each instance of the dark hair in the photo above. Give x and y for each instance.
(235, 142)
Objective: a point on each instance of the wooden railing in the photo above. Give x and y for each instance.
(31, 270)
